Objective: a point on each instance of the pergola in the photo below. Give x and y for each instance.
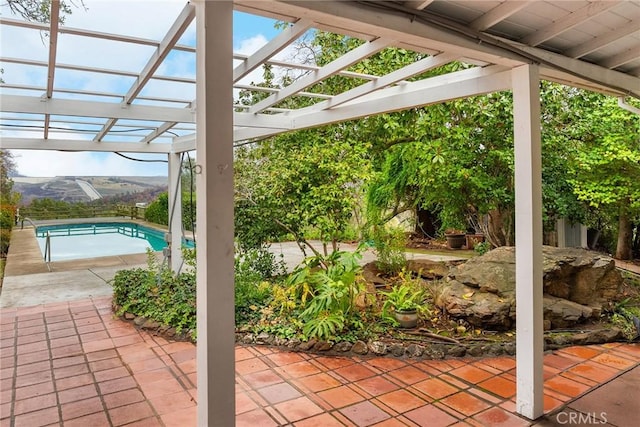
(511, 45)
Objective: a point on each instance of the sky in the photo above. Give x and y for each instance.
(130, 17)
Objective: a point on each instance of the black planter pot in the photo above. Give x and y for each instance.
(455, 241)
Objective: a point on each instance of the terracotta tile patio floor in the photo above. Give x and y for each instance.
(74, 364)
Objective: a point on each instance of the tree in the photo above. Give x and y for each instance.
(40, 10)
(301, 182)
(606, 171)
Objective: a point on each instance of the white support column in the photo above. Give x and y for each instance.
(214, 186)
(175, 210)
(528, 185)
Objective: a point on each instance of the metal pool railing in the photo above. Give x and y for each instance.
(47, 251)
(35, 227)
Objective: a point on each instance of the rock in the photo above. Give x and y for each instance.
(293, 344)
(305, 346)
(578, 284)
(150, 324)
(264, 338)
(378, 348)
(599, 336)
(562, 313)
(360, 347)
(247, 339)
(343, 346)
(322, 346)
(397, 350)
(372, 274)
(510, 348)
(493, 349)
(436, 351)
(139, 321)
(457, 351)
(129, 316)
(171, 332)
(431, 270)
(475, 351)
(414, 350)
(279, 341)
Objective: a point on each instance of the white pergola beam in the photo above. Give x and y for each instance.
(53, 48)
(498, 14)
(622, 58)
(90, 33)
(92, 93)
(94, 70)
(606, 78)
(168, 41)
(272, 48)
(78, 108)
(15, 143)
(564, 24)
(417, 4)
(183, 143)
(53, 45)
(602, 41)
(528, 208)
(409, 71)
(475, 81)
(307, 67)
(332, 68)
(214, 189)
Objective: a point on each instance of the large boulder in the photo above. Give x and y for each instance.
(577, 285)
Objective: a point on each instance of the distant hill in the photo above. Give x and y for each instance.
(87, 188)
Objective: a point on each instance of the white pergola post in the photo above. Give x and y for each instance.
(528, 189)
(214, 233)
(175, 210)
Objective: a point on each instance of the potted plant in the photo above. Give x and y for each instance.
(405, 301)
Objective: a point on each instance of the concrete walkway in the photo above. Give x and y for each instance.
(65, 360)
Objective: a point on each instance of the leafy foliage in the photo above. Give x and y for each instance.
(407, 294)
(390, 249)
(8, 201)
(291, 184)
(158, 210)
(158, 293)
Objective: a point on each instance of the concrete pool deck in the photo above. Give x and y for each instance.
(28, 281)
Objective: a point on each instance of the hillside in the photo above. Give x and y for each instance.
(87, 188)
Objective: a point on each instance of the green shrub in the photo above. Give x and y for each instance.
(482, 248)
(158, 210)
(320, 295)
(6, 224)
(157, 293)
(390, 246)
(5, 238)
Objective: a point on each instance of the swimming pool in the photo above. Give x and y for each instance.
(92, 240)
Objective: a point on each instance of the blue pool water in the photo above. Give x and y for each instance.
(77, 241)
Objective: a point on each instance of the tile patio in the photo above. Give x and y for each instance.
(73, 364)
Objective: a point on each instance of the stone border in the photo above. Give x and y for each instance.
(390, 347)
